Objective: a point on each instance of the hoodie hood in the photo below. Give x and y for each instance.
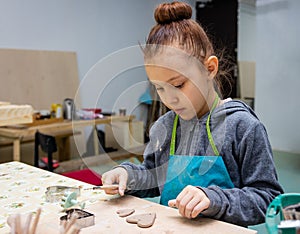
(231, 107)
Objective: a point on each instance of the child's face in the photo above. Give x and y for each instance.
(182, 85)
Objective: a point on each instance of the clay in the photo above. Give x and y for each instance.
(142, 220)
(125, 212)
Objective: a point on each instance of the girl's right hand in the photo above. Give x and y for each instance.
(116, 176)
(191, 201)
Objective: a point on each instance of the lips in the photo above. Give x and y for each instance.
(179, 110)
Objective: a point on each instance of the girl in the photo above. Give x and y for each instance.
(206, 156)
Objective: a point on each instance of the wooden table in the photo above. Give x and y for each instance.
(64, 129)
(23, 190)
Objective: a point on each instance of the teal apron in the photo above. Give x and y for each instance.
(201, 171)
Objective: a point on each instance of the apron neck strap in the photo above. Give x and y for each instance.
(173, 140)
(209, 135)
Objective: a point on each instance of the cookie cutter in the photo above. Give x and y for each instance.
(56, 193)
(83, 218)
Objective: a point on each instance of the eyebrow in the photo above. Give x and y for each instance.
(169, 80)
(173, 78)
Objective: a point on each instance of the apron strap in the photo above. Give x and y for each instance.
(209, 135)
(173, 140)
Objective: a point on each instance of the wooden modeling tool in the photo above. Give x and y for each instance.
(21, 223)
(69, 226)
(109, 186)
(36, 220)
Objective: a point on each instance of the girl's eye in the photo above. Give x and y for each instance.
(179, 86)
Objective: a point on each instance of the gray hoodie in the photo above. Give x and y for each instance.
(244, 146)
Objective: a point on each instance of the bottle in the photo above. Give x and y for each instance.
(58, 111)
(53, 111)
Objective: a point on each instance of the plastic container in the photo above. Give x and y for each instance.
(94, 110)
(276, 213)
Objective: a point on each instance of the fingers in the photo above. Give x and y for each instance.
(184, 205)
(198, 209)
(107, 178)
(111, 191)
(172, 203)
(122, 185)
(190, 202)
(116, 176)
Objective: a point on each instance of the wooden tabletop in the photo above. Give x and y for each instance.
(23, 190)
(168, 220)
(18, 131)
(22, 133)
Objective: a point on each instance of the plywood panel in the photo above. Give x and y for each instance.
(247, 79)
(38, 78)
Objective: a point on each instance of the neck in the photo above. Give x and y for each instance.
(210, 98)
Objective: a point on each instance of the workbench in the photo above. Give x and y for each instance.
(23, 190)
(63, 130)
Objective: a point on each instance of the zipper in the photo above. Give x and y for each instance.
(191, 138)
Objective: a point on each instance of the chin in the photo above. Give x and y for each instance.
(187, 116)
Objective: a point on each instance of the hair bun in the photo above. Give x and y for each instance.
(166, 13)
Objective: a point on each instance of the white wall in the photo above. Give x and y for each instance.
(277, 54)
(94, 29)
(97, 28)
(99, 32)
(246, 32)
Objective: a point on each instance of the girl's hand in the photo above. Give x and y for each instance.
(190, 202)
(116, 176)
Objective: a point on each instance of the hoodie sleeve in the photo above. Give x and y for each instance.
(143, 179)
(247, 203)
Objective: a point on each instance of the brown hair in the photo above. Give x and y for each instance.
(175, 26)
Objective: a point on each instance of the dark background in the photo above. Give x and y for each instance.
(219, 19)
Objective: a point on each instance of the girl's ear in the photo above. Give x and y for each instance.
(212, 66)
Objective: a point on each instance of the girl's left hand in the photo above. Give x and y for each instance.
(190, 202)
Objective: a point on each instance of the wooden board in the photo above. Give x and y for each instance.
(38, 78)
(247, 79)
(15, 114)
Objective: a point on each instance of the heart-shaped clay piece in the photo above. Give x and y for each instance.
(125, 212)
(142, 220)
